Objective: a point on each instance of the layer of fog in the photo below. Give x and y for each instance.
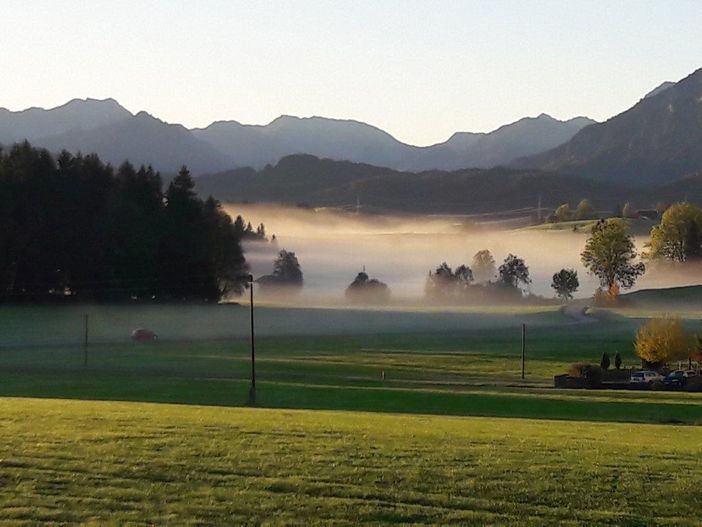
(334, 246)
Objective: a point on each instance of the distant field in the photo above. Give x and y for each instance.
(116, 463)
(638, 227)
(464, 363)
(685, 302)
(29, 326)
(579, 225)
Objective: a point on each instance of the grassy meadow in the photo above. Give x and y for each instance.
(437, 362)
(102, 463)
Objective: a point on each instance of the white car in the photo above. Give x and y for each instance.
(645, 377)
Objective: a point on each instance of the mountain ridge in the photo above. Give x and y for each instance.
(305, 179)
(658, 139)
(110, 130)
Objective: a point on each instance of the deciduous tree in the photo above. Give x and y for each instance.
(483, 266)
(609, 254)
(584, 210)
(513, 272)
(565, 283)
(563, 213)
(662, 340)
(679, 235)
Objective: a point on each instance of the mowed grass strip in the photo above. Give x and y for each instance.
(584, 405)
(113, 463)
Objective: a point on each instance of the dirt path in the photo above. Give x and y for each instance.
(577, 311)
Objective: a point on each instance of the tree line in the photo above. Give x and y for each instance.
(482, 280)
(75, 228)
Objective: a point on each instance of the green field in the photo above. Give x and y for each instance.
(452, 435)
(453, 363)
(114, 463)
(638, 227)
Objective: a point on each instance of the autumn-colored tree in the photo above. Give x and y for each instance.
(629, 212)
(584, 210)
(563, 213)
(663, 340)
(679, 235)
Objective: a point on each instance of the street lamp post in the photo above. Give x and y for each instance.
(252, 389)
(523, 348)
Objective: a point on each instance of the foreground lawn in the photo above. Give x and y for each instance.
(113, 463)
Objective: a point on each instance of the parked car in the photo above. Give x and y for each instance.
(144, 335)
(678, 377)
(645, 377)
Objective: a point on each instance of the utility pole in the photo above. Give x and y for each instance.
(523, 348)
(252, 389)
(85, 342)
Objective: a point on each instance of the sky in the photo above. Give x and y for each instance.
(419, 70)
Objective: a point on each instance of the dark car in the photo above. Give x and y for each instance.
(144, 335)
(678, 377)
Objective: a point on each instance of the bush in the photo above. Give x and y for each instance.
(592, 373)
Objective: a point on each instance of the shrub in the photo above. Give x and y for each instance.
(604, 361)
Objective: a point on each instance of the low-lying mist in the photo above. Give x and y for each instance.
(334, 246)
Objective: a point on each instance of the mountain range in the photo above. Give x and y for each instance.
(656, 141)
(650, 152)
(257, 146)
(115, 134)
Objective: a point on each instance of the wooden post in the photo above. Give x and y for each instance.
(85, 342)
(523, 348)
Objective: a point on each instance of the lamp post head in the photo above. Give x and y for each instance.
(250, 279)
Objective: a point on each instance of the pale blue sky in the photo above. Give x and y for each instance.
(420, 70)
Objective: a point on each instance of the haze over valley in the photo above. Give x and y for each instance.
(333, 246)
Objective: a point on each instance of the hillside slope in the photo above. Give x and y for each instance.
(656, 141)
(325, 182)
(142, 139)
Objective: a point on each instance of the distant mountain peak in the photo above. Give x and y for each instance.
(77, 114)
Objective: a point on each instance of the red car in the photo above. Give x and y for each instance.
(144, 335)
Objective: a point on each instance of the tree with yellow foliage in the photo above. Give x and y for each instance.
(679, 235)
(663, 340)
